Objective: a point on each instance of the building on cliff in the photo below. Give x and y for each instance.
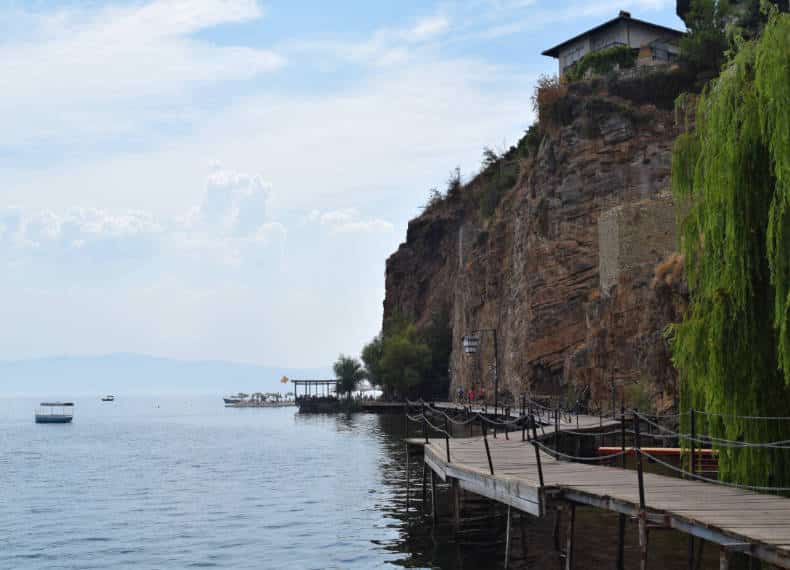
(657, 45)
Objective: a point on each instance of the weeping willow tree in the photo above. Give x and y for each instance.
(732, 171)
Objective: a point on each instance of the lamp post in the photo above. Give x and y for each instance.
(471, 343)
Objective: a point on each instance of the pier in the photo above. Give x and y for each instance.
(517, 468)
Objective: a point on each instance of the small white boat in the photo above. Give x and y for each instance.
(108, 398)
(55, 413)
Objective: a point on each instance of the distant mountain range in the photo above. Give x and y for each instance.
(141, 374)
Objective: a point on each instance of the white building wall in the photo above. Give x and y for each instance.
(623, 32)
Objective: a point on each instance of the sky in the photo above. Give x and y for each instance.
(224, 179)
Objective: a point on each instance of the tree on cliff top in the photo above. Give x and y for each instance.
(733, 348)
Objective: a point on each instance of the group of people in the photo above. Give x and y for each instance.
(470, 397)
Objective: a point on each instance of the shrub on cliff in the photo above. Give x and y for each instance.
(602, 62)
(550, 102)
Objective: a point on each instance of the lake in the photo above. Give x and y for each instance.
(187, 483)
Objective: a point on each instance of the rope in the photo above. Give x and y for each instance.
(778, 418)
(709, 439)
(714, 481)
(590, 433)
(559, 454)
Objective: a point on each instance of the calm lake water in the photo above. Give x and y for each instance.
(187, 483)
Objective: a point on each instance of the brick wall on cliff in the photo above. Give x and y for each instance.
(564, 267)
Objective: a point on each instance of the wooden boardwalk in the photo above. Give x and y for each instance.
(735, 519)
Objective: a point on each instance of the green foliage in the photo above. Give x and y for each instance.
(500, 176)
(408, 362)
(454, 182)
(530, 142)
(349, 374)
(438, 337)
(405, 359)
(435, 197)
(550, 103)
(602, 61)
(371, 356)
(659, 88)
(733, 348)
(702, 48)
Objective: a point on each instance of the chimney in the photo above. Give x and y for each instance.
(624, 14)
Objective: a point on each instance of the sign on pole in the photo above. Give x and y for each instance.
(471, 344)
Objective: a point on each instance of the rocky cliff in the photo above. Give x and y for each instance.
(573, 268)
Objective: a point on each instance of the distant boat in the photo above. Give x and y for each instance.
(55, 413)
(229, 400)
(108, 398)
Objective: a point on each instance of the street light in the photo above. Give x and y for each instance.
(471, 344)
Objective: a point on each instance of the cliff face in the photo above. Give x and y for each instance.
(565, 267)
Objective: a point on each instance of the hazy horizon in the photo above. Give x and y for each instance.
(140, 375)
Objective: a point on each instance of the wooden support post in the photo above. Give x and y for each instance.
(569, 538)
(424, 424)
(447, 439)
(507, 537)
(643, 541)
(455, 490)
(724, 559)
(621, 542)
(408, 477)
(424, 485)
(434, 502)
(699, 554)
(555, 535)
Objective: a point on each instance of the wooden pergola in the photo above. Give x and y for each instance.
(314, 387)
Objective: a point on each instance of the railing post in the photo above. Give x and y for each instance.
(485, 442)
(642, 505)
(537, 451)
(693, 464)
(557, 427)
(639, 464)
(621, 517)
(692, 468)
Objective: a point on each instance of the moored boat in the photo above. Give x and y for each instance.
(55, 413)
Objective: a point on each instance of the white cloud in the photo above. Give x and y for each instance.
(78, 71)
(341, 216)
(429, 27)
(231, 221)
(383, 47)
(364, 226)
(348, 220)
(40, 229)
